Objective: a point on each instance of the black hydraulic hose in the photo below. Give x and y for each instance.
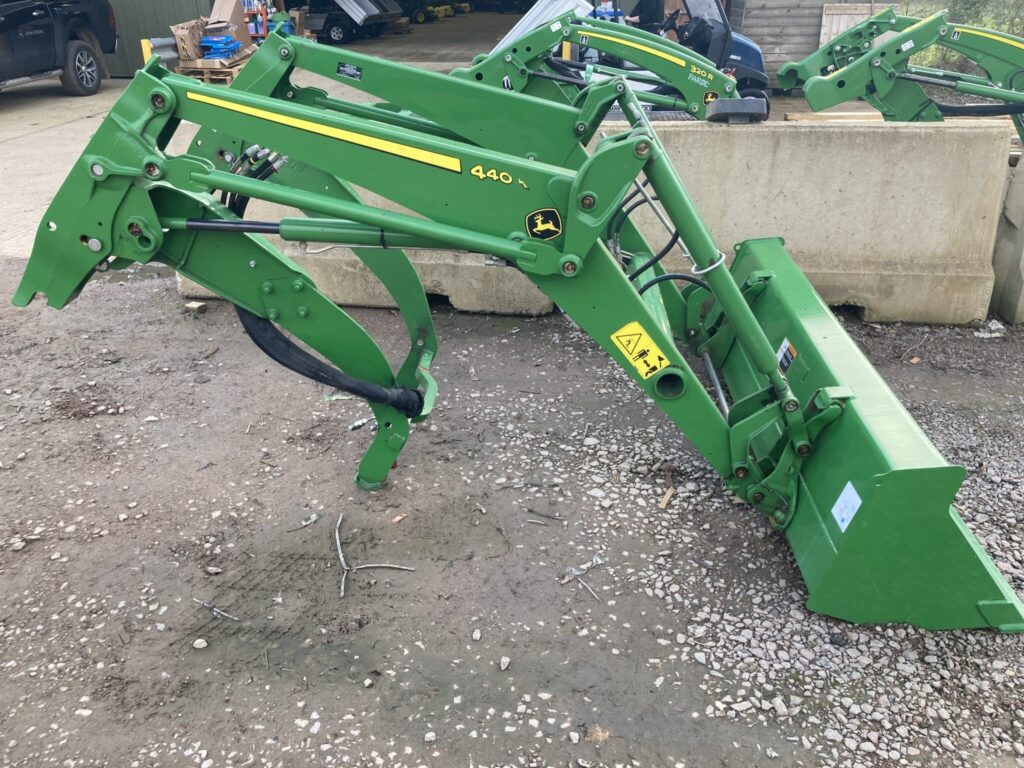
(622, 214)
(674, 276)
(263, 172)
(625, 201)
(280, 348)
(656, 258)
(564, 69)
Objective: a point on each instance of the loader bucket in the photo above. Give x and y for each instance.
(873, 531)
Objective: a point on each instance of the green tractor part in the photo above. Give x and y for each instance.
(663, 74)
(795, 420)
(857, 65)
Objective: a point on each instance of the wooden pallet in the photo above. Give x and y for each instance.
(217, 76)
(220, 76)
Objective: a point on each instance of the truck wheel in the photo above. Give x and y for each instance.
(81, 75)
(419, 16)
(338, 33)
(758, 94)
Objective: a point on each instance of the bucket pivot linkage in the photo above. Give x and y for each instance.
(796, 421)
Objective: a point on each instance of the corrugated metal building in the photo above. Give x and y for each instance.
(138, 19)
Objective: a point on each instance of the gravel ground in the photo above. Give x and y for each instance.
(152, 458)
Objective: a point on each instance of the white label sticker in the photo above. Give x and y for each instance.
(556, 26)
(906, 46)
(785, 354)
(846, 506)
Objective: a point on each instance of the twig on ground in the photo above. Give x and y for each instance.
(592, 592)
(531, 511)
(346, 569)
(383, 565)
(215, 609)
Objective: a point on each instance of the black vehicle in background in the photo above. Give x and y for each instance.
(56, 38)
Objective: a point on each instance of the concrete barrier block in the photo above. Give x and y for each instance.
(468, 281)
(899, 219)
(1008, 258)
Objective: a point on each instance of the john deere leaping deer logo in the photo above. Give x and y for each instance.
(710, 96)
(544, 224)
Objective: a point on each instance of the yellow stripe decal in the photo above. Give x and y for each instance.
(990, 36)
(638, 46)
(436, 159)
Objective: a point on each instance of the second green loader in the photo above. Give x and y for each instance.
(873, 61)
(794, 418)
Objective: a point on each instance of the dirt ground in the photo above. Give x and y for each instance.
(152, 458)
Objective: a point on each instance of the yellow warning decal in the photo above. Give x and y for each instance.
(424, 156)
(639, 348)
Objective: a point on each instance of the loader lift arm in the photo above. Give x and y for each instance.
(852, 66)
(538, 64)
(808, 426)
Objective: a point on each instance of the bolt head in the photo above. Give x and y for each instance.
(158, 101)
(791, 406)
(569, 268)
(273, 314)
(134, 229)
(152, 170)
(268, 288)
(303, 312)
(741, 472)
(642, 149)
(96, 169)
(252, 265)
(297, 285)
(587, 202)
(803, 449)
(581, 127)
(285, 52)
(95, 245)
(758, 497)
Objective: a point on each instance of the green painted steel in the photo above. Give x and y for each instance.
(859, 65)
(529, 65)
(811, 436)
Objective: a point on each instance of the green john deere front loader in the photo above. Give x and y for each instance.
(663, 74)
(796, 420)
(872, 61)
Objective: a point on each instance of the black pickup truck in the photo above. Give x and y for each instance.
(50, 38)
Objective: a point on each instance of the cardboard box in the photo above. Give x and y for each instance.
(299, 20)
(228, 18)
(187, 36)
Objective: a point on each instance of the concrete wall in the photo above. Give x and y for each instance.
(899, 219)
(1008, 260)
